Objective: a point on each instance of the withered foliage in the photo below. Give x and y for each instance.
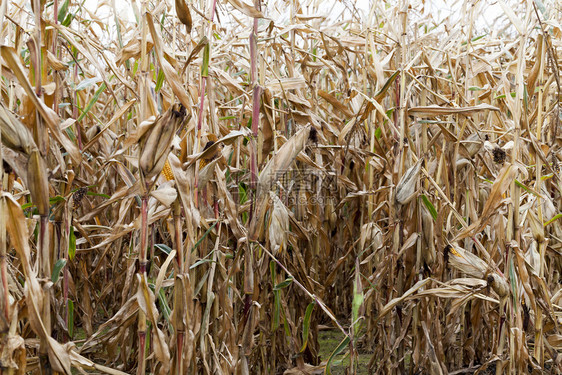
(199, 187)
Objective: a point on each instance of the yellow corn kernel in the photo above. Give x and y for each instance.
(167, 171)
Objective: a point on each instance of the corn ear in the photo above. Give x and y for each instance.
(406, 188)
(156, 143)
(498, 284)
(167, 171)
(428, 248)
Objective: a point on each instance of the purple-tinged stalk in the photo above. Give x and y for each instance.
(65, 281)
(141, 370)
(154, 148)
(179, 304)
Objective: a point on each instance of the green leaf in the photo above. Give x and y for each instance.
(68, 20)
(56, 199)
(283, 284)
(71, 244)
(59, 265)
(159, 80)
(204, 235)
(70, 318)
(556, 217)
(206, 56)
(342, 345)
(474, 39)
(478, 37)
(430, 207)
(26, 205)
(306, 325)
(276, 309)
(358, 299)
(91, 193)
(389, 113)
(200, 262)
(387, 84)
(92, 102)
(164, 306)
(227, 117)
(164, 248)
(528, 190)
(63, 10)
(242, 194)
(135, 67)
(276, 296)
(378, 133)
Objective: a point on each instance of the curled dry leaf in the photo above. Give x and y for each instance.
(371, 237)
(247, 9)
(172, 77)
(11, 350)
(182, 10)
(15, 135)
(165, 194)
(50, 117)
(505, 178)
(55, 63)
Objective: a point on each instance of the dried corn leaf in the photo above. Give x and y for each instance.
(505, 177)
(435, 110)
(395, 301)
(182, 10)
(50, 117)
(15, 134)
(245, 8)
(170, 73)
(146, 301)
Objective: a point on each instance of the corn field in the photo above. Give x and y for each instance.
(202, 187)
